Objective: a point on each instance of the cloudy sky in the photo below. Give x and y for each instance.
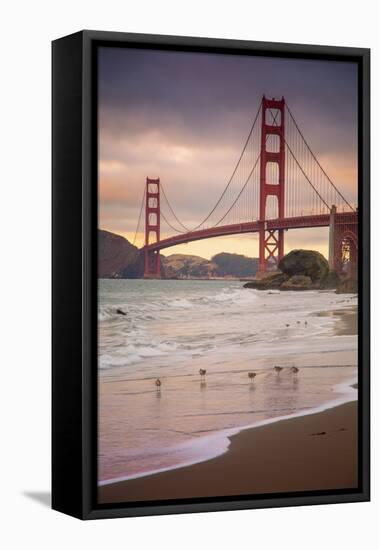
(185, 116)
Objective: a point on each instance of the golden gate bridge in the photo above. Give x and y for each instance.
(277, 184)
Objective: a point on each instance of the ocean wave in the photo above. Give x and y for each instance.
(106, 313)
(227, 296)
(139, 350)
(180, 303)
(164, 307)
(208, 320)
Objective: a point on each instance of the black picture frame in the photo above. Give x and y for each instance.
(74, 272)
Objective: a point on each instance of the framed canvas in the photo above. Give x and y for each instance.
(210, 275)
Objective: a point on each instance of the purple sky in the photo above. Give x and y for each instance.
(185, 116)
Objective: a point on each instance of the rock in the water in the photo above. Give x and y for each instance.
(298, 282)
(305, 262)
(120, 311)
(256, 284)
(299, 270)
(330, 281)
(271, 281)
(275, 280)
(347, 286)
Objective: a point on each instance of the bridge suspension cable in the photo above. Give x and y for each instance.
(233, 173)
(140, 216)
(172, 211)
(170, 225)
(317, 161)
(227, 186)
(274, 122)
(305, 175)
(241, 191)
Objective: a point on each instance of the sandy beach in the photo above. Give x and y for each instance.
(313, 452)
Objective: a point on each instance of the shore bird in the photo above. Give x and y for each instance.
(158, 383)
(295, 370)
(278, 369)
(202, 373)
(251, 375)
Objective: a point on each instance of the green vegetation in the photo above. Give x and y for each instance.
(235, 265)
(183, 266)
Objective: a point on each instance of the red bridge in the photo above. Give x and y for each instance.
(277, 184)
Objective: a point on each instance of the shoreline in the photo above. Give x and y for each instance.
(316, 451)
(346, 320)
(223, 437)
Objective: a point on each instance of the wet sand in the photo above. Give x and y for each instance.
(313, 452)
(346, 320)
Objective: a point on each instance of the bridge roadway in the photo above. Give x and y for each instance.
(298, 222)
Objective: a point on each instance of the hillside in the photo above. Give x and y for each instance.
(187, 266)
(117, 257)
(235, 265)
(221, 265)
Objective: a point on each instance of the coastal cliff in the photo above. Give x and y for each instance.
(119, 259)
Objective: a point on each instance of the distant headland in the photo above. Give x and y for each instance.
(119, 259)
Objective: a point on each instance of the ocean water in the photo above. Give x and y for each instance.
(173, 328)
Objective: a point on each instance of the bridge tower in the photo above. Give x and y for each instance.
(152, 262)
(271, 242)
(345, 249)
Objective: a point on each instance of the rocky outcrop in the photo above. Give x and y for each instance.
(299, 270)
(271, 281)
(298, 282)
(309, 263)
